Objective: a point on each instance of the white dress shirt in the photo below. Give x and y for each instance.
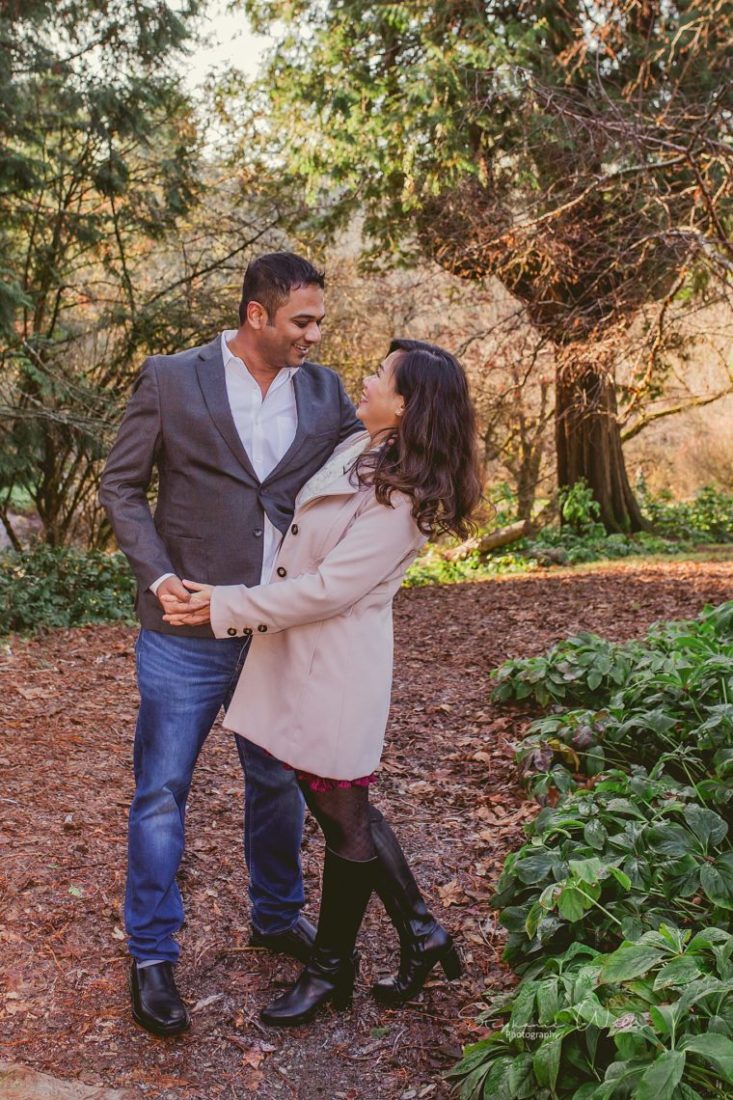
(266, 426)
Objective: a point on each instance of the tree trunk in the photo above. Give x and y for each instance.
(528, 476)
(484, 544)
(588, 442)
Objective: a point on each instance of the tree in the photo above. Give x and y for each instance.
(515, 409)
(580, 153)
(99, 165)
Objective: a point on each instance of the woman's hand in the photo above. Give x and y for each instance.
(195, 612)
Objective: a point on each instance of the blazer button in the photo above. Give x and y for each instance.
(257, 532)
(247, 631)
(232, 631)
(294, 529)
(281, 572)
(262, 628)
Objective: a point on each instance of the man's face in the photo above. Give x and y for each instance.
(288, 338)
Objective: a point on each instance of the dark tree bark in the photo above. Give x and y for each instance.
(588, 443)
(558, 302)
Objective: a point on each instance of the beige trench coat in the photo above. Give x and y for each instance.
(315, 688)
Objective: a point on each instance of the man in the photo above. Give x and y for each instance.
(234, 429)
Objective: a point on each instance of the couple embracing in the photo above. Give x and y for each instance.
(285, 521)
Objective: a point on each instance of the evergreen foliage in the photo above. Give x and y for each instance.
(100, 174)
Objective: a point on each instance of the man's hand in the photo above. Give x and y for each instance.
(192, 610)
(172, 588)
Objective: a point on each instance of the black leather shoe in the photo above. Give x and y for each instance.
(297, 942)
(156, 1003)
(326, 978)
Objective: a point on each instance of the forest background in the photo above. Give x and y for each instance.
(541, 187)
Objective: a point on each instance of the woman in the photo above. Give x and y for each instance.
(315, 688)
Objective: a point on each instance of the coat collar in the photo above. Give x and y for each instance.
(334, 477)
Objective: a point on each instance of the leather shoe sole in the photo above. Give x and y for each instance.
(162, 1030)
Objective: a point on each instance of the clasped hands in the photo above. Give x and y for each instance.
(186, 603)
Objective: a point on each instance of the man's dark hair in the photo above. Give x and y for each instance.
(270, 278)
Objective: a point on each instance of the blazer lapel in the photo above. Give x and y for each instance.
(212, 379)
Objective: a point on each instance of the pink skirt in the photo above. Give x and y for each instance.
(319, 783)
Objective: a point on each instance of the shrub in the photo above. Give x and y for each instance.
(579, 508)
(44, 588)
(618, 906)
(581, 538)
(651, 1020)
(668, 698)
(708, 517)
(563, 545)
(615, 860)
(432, 569)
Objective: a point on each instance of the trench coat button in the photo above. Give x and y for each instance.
(281, 571)
(257, 532)
(262, 628)
(294, 529)
(247, 631)
(232, 631)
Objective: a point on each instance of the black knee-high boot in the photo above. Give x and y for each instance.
(423, 941)
(331, 972)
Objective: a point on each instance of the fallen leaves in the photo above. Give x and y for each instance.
(452, 893)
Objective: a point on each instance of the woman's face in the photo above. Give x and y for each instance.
(381, 406)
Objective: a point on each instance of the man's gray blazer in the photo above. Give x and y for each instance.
(208, 520)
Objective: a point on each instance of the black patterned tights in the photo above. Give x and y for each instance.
(344, 817)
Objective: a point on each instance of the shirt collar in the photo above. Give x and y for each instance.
(284, 374)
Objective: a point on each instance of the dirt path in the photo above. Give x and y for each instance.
(68, 703)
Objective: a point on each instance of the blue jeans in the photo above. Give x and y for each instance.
(183, 683)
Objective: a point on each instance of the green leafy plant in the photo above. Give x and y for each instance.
(618, 907)
(652, 1020)
(567, 546)
(432, 569)
(708, 517)
(43, 588)
(579, 508)
(580, 538)
(612, 861)
(581, 670)
(667, 698)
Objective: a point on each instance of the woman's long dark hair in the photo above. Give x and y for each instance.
(431, 455)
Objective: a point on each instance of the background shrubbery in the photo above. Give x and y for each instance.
(707, 518)
(43, 587)
(677, 527)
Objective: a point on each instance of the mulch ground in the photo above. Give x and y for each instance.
(448, 786)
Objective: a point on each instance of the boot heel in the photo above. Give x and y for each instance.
(342, 999)
(344, 991)
(452, 965)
